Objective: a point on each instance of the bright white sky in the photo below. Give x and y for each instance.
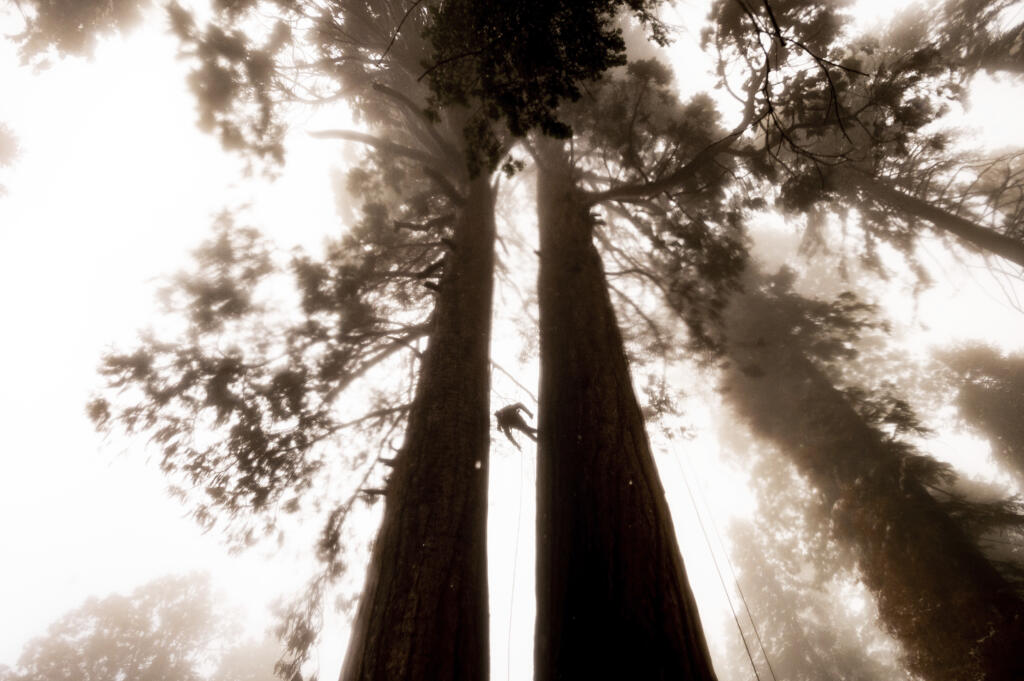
(113, 187)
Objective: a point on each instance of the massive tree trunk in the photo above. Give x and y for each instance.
(612, 597)
(957, 617)
(980, 238)
(424, 612)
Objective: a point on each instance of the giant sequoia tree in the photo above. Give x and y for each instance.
(601, 508)
(248, 406)
(419, 265)
(415, 620)
(609, 572)
(912, 551)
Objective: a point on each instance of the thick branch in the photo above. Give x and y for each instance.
(982, 238)
(674, 180)
(432, 166)
(445, 146)
(377, 143)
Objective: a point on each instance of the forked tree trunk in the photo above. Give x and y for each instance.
(612, 597)
(424, 612)
(957, 617)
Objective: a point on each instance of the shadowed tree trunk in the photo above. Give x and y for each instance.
(956, 615)
(424, 609)
(612, 597)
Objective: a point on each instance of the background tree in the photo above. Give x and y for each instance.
(917, 552)
(165, 630)
(811, 615)
(8, 150)
(253, 660)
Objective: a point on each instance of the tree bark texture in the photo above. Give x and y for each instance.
(981, 238)
(955, 614)
(424, 609)
(612, 597)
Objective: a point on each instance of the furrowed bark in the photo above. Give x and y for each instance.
(612, 597)
(424, 609)
(956, 615)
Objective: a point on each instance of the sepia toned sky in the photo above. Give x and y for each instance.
(113, 186)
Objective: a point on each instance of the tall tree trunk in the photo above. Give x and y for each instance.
(424, 610)
(956, 615)
(612, 597)
(981, 238)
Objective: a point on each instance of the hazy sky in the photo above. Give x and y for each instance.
(114, 185)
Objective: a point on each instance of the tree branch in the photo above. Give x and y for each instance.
(431, 164)
(987, 240)
(643, 190)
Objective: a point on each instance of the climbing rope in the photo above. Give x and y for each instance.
(721, 579)
(515, 569)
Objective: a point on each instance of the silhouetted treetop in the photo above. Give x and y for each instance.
(170, 629)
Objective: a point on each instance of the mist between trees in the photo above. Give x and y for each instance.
(171, 628)
(369, 385)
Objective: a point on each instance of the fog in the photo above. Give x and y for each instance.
(851, 422)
